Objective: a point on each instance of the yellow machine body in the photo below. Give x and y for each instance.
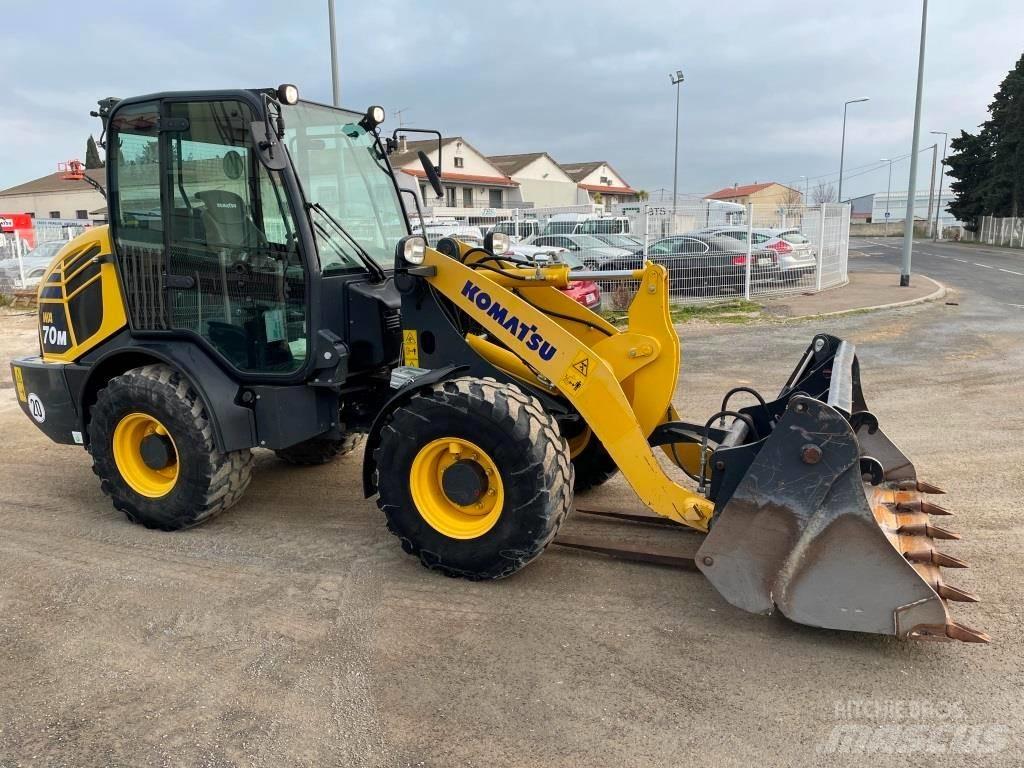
(80, 301)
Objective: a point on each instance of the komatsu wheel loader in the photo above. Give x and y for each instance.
(239, 299)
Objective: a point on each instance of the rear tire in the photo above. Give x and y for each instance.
(318, 450)
(521, 448)
(198, 483)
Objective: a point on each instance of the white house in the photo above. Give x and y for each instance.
(541, 180)
(473, 186)
(599, 178)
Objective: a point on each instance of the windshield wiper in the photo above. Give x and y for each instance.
(372, 266)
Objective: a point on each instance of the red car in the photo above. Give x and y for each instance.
(586, 292)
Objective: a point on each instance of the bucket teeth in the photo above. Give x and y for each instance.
(935, 558)
(951, 630)
(957, 595)
(924, 487)
(964, 634)
(922, 506)
(926, 529)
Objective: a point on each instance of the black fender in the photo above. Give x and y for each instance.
(234, 425)
(401, 396)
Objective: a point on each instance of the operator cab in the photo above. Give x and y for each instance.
(255, 247)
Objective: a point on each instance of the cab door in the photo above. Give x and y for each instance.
(205, 235)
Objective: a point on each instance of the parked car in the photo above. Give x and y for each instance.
(797, 257)
(703, 263)
(33, 265)
(586, 292)
(629, 242)
(592, 251)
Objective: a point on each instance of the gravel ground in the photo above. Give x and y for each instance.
(294, 631)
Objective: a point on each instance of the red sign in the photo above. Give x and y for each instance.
(21, 223)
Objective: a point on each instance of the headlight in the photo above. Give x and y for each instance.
(288, 94)
(497, 243)
(413, 249)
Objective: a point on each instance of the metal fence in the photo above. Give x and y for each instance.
(713, 251)
(25, 254)
(995, 230)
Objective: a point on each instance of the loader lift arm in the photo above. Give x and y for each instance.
(582, 374)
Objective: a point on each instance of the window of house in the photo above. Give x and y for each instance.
(460, 162)
(467, 197)
(494, 198)
(449, 196)
(54, 214)
(605, 180)
(81, 213)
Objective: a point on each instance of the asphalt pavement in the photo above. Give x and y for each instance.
(995, 273)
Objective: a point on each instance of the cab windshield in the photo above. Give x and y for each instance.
(341, 167)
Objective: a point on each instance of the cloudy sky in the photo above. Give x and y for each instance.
(762, 99)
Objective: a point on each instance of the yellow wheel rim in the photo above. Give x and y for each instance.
(578, 442)
(443, 514)
(140, 476)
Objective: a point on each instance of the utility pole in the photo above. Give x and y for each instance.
(842, 145)
(335, 82)
(937, 235)
(677, 80)
(908, 225)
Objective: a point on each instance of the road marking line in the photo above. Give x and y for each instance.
(962, 261)
(986, 266)
(1011, 271)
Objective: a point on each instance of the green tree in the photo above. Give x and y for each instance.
(988, 167)
(92, 154)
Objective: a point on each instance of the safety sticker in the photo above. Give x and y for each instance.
(575, 375)
(411, 348)
(19, 382)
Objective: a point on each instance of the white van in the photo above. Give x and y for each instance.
(604, 225)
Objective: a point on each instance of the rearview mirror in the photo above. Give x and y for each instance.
(269, 150)
(433, 174)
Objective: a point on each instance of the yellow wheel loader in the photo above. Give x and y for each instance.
(258, 287)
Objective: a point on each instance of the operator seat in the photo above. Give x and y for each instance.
(227, 221)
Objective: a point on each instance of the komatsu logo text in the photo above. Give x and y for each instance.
(525, 332)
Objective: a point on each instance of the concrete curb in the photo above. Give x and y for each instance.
(939, 292)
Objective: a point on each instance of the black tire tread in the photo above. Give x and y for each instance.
(318, 450)
(594, 466)
(226, 475)
(533, 426)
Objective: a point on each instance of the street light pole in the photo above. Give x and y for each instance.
(335, 83)
(908, 225)
(677, 80)
(888, 194)
(942, 178)
(842, 146)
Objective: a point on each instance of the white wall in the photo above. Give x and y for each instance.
(543, 183)
(42, 203)
(594, 177)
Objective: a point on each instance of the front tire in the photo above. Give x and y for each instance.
(473, 477)
(592, 464)
(152, 447)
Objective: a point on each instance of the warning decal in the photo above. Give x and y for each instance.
(575, 375)
(411, 348)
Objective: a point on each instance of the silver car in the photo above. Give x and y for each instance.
(797, 257)
(33, 266)
(589, 249)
